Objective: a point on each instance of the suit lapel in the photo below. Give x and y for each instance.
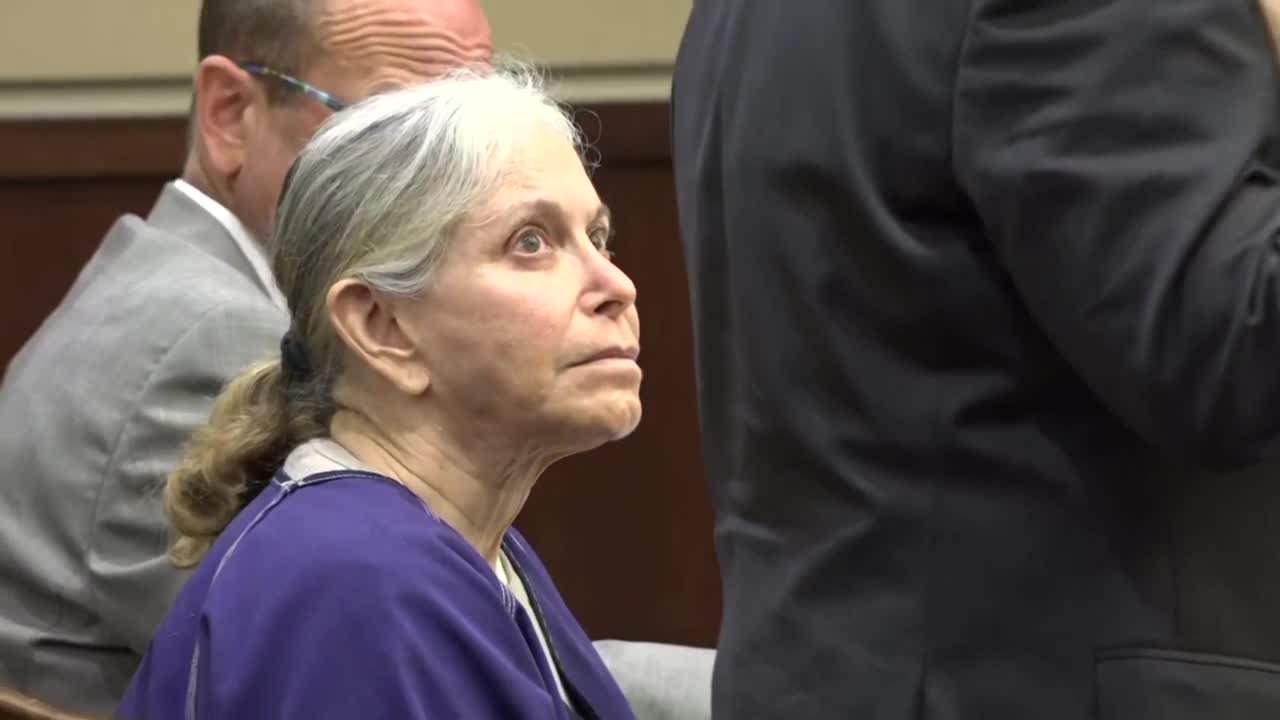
(179, 215)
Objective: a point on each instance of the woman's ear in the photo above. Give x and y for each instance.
(366, 322)
(227, 103)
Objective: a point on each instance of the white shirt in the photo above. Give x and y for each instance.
(508, 576)
(252, 250)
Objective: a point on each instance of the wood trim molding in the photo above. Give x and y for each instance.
(627, 134)
(91, 148)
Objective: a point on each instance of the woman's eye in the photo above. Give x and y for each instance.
(600, 238)
(530, 243)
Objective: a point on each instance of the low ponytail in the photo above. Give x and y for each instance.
(253, 427)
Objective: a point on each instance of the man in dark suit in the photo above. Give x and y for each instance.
(96, 409)
(987, 307)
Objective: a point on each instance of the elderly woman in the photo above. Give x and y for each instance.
(457, 326)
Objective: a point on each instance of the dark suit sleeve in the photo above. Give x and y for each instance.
(1121, 155)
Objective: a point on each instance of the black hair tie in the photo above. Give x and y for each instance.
(293, 358)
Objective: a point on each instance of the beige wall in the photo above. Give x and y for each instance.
(130, 57)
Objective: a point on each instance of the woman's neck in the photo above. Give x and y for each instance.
(479, 500)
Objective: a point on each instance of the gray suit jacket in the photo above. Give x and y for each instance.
(94, 413)
(661, 682)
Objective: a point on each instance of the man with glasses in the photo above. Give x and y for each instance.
(95, 409)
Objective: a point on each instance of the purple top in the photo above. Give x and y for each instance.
(340, 596)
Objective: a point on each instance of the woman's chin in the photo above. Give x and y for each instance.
(610, 419)
(624, 415)
(629, 425)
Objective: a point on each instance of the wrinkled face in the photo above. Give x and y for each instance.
(370, 46)
(528, 330)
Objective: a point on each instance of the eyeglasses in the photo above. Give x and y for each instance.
(260, 70)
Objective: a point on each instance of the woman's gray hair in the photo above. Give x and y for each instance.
(378, 191)
(376, 195)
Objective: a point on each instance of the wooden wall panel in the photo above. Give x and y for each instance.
(625, 530)
(50, 228)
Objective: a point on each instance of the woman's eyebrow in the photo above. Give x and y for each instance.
(547, 207)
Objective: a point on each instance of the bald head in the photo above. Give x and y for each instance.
(406, 39)
(248, 128)
(385, 44)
